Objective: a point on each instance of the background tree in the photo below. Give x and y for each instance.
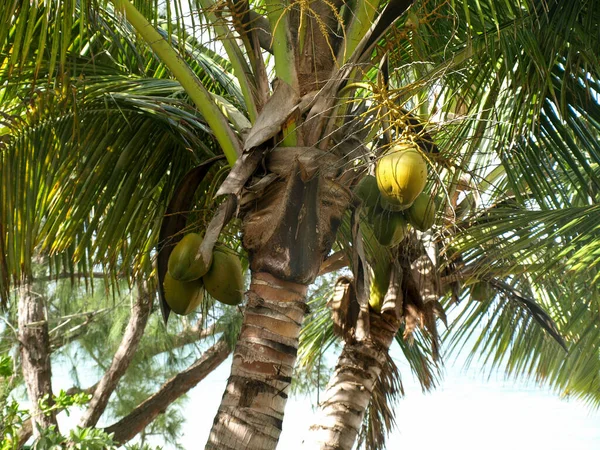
(97, 125)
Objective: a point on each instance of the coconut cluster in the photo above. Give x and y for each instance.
(394, 197)
(393, 200)
(189, 276)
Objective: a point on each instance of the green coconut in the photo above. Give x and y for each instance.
(401, 175)
(380, 281)
(368, 191)
(482, 291)
(421, 214)
(224, 281)
(185, 263)
(183, 297)
(389, 228)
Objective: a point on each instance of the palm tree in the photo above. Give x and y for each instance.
(526, 155)
(343, 83)
(100, 119)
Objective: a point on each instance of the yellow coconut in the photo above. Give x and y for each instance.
(183, 297)
(401, 176)
(185, 263)
(421, 214)
(224, 281)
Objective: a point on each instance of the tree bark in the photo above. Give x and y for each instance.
(349, 391)
(131, 338)
(132, 424)
(251, 411)
(35, 355)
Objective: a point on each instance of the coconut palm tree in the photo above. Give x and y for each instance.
(320, 91)
(104, 119)
(499, 223)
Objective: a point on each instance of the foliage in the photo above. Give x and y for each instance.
(503, 95)
(12, 417)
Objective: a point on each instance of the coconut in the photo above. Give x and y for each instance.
(421, 214)
(183, 297)
(224, 281)
(389, 228)
(185, 263)
(367, 191)
(482, 291)
(401, 175)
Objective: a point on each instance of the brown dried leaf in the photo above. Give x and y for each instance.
(241, 172)
(280, 106)
(337, 261)
(380, 419)
(361, 278)
(426, 277)
(222, 216)
(393, 300)
(291, 227)
(312, 160)
(344, 307)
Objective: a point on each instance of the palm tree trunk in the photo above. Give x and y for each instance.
(35, 355)
(349, 391)
(251, 411)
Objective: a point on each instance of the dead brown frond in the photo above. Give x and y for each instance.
(379, 417)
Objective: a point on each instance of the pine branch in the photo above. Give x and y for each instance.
(186, 337)
(75, 332)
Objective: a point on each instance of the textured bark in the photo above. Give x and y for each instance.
(251, 411)
(129, 343)
(349, 390)
(132, 424)
(287, 231)
(35, 355)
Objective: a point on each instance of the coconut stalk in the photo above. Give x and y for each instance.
(189, 81)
